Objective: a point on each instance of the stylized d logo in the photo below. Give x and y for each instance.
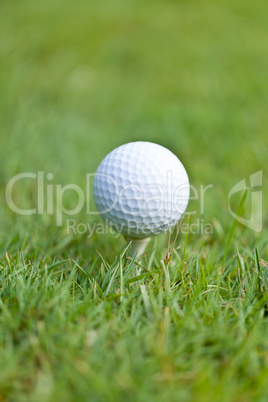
(255, 220)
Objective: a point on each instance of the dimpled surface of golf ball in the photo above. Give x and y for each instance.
(141, 189)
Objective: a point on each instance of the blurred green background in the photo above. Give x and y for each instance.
(80, 78)
(77, 79)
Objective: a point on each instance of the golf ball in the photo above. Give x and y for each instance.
(141, 189)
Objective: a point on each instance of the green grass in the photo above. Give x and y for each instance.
(79, 321)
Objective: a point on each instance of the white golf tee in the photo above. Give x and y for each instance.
(138, 246)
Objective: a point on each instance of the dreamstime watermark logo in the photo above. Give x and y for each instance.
(50, 199)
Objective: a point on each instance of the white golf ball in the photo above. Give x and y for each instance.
(141, 189)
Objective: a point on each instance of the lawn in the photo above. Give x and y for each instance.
(78, 320)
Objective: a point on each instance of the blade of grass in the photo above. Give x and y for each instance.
(232, 229)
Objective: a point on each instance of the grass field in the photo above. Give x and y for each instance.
(78, 321)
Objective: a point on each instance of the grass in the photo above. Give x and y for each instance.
(186, 331)
(79, 320)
